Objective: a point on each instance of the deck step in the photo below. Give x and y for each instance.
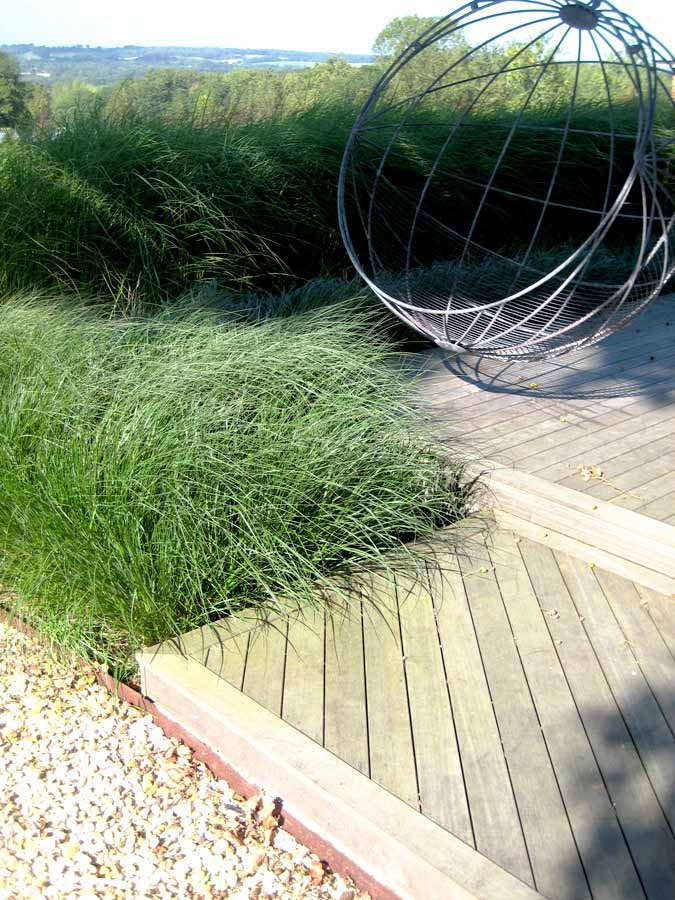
(622, 541)
(395, 845)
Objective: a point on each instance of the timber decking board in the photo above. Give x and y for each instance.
(627, 471)
(588, 806)
(227, 659)
(637, 806)
(659, 497)
(265, 662)
(541, 808)
(303, 696)
(598, 388)
(442, 790)
(494, 813)
(639, 709)
(390, 740)
(491, 407)
(549, 456)
(615, 351)
(661, 610)
(611, 405)
(517, 697)
(650, 650)
(345, 709)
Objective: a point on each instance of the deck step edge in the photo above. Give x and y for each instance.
(620, 540)
(394, 844)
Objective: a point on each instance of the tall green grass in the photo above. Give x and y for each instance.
(157, 474)
(139, 210)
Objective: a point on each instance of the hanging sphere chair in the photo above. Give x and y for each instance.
(508, 187)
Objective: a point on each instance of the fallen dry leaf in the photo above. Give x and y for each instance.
(589, 473)
(317, 872)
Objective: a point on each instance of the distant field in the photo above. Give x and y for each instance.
(105, 65)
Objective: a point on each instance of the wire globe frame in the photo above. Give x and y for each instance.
(472, 206)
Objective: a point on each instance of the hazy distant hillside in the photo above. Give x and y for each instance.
(103, 65)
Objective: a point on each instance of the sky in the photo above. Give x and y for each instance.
(349, 26)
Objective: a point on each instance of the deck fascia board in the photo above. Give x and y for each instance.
(621, 540)
(397, 846)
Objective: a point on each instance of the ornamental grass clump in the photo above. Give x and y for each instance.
(158, 474)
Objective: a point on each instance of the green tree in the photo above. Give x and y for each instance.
(421, 70)
(70, 96)
(401, 32)
(12, 93)
(38, 107)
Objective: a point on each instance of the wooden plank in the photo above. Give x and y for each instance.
(534, 407)
(561, 426)
(196, 641)
(525, 449)
(535, 492)
(627, 471)
(607, 862)
(549, 458)
(579, 415)
(620, 350)
(625, 356)
(642, 819)
(555, 862)
(494, 813)
(639, 709)
(554, 464)
(226, 658)
(304, 677)
(346, 721)
(494, 401)
(643, 637)
(558, 403)
(661, 500)
(585, 552)
(441, 782)
(505, 447)
(653, 328)
(392, 755)
(662, 610)
(264, 675)
(637, 808)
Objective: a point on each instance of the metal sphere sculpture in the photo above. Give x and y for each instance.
(508, 187)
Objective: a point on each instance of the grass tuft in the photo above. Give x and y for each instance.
(141, 209)
(157, 474)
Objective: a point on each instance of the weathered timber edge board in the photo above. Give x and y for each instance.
(396, 846)
(621, 540)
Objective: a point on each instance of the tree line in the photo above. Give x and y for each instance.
(249, 95)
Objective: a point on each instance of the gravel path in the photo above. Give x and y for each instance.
(98, 802)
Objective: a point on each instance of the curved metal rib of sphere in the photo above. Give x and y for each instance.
(508, 186)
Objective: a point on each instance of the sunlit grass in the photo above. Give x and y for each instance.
(158, 474)
(139, 210)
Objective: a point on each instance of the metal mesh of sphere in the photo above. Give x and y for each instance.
(508, 186)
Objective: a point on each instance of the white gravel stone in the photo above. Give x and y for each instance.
(99, 803)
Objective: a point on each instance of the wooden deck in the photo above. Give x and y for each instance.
(609, 409)
(517, 697)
